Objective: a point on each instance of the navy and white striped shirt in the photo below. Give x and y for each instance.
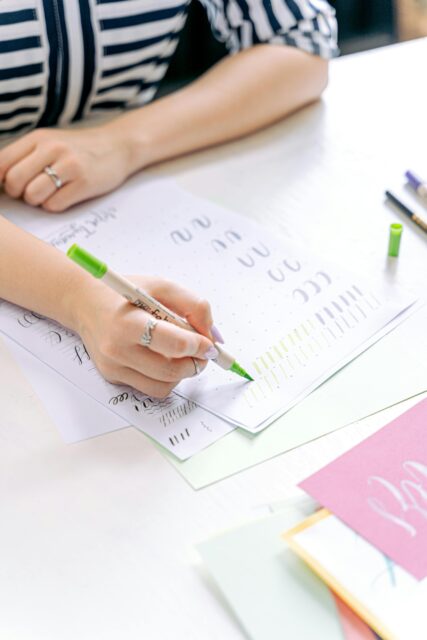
(62, 60)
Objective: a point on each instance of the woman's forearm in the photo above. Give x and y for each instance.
(240, 94)
(36, 276)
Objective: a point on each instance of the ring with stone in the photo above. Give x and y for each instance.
(148, 332)
(53, 176)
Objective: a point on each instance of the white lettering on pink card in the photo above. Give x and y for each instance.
(379, 489)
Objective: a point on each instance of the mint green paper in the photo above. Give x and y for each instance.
(272, 592)
(368, 384)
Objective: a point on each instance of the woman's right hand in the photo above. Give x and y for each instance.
(111, 329)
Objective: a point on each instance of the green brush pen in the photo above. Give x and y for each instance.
(141, 299)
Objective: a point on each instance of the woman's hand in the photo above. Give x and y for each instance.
(110, 327)
(89, 162)
(111, 330)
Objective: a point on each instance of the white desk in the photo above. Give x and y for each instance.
(96, 538)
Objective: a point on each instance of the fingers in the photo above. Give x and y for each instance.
(89, 162)
(167, 339)
(173, 353)
(157, 380)
(173, 342)
(41, 188)
(186, 303)
(28, 179)
(65, 197)
(22, 167)
(155, 366)
(15, 152)
(22, 170)
(142, 383)
(25, 170)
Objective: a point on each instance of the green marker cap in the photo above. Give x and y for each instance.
(87, 261)
(394, 240)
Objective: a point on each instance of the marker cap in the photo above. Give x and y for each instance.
(394, 240)
(87, 261)
(413, 179)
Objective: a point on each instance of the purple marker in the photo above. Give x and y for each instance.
(418, 185)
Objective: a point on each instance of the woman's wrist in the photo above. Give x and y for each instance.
(131, 136)
(76, 302)
(160, 130)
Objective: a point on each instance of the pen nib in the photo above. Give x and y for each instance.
(236, 368)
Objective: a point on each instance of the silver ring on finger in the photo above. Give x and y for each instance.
(196, 367)
(148, 332)
(53, 176)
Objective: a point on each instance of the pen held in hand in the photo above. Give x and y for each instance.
(141, 299)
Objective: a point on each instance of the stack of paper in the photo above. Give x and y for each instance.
(370, 546)
(291, 318)
(272, 592)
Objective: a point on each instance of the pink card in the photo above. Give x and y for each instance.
(379, 489)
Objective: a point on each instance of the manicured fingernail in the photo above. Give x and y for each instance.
(211, 354)
(216, 335)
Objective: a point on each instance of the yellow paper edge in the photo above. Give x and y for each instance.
(329, 579)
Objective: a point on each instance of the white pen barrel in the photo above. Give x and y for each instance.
(141, 299)
(224, 359)
(121, 285)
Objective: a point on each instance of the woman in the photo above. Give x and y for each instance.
(62, 61)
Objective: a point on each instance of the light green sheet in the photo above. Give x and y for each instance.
(392, 370)
(273, 594)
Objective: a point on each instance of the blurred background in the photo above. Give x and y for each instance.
(362, 24)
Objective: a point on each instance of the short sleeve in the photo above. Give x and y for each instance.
(309, 25)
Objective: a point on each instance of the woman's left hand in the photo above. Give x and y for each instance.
(89, 162)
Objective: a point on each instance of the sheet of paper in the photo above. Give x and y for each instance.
(271, 591)
(278, 388)
(379, 489)
(175, 423)
(292, 318)
(367, 386)
(390, 599)
(76, 415)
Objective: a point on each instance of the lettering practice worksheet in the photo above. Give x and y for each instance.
(291, 319)
(176, 423)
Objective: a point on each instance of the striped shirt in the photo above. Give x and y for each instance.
(63, 60)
